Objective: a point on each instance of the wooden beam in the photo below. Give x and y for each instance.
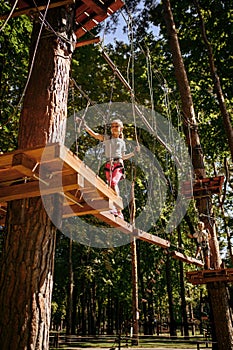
(76, 210)
(115, 221)
(31, 10)
(88, 42)
(71, 160)
(209, 276)
(88, 19)
(151, 238)
(127, 228)
(34, 189)
(96, 6)
(54, 158)
(186, 259)
(24, 164)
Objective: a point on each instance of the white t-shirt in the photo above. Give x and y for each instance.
(114, 147)
(201, 236)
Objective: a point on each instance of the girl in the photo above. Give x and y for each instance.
(202, 236)
(115, 154)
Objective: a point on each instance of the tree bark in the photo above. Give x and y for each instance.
(27, 264)
(134, 291)
(203, 204)
(173, 332)
(182, 291)
(69, 307)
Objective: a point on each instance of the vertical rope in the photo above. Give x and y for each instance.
(132, 203)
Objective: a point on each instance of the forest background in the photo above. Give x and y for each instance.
(100, 279)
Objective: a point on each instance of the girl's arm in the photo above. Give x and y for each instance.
(93, 133)
(131, 154)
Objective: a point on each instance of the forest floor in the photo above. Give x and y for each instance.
(91, 343)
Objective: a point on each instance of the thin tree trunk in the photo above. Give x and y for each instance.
(134, 270)
(182, 291)
(27, 264)
(170, 298)
(74, 312)
(134, 291)
(70, 291)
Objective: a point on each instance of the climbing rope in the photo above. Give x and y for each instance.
(9, 16)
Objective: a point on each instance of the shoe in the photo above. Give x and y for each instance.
(114, 212)
(120, 215)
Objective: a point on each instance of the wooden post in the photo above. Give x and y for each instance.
(134, 271)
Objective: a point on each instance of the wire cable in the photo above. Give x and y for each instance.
(9, 16)
(34, 53)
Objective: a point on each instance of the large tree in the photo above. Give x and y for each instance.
(222, 326)
(28, 256)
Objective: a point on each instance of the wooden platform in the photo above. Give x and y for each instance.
(55, 169)
(208, 276)
(203, 187)
(89, 13)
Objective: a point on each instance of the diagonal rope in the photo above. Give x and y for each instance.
(9, 16)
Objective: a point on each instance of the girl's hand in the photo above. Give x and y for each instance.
(81, 121)
(137, 149)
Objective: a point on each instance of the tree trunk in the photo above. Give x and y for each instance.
(170, 298)
(74, 312)
(69, 307)
(221, 314)
(182, 291)
(203, 205)
(134, 291)
(84, 310)
(27, 264)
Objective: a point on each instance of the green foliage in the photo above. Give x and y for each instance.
(14, 54)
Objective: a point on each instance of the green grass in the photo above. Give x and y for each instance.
(145, 342)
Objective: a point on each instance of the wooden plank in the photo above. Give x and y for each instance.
(59, 159)
(80, 10)
(115, 221)
(209, 276)
(24, 164)
(187, 259)
(127, 228)
(51, 152)
(34, 189)
(24, 190)
(96, 6)
(114, 6)
(87, 42)
(30, 10)
(87, 22)
(9, 176)
(151, 238)
(71, 160)
(85, 25)
(76, 210)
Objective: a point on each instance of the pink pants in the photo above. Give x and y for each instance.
(113, 173)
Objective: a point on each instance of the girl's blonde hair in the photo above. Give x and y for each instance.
(201, 223)
(119, 122)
